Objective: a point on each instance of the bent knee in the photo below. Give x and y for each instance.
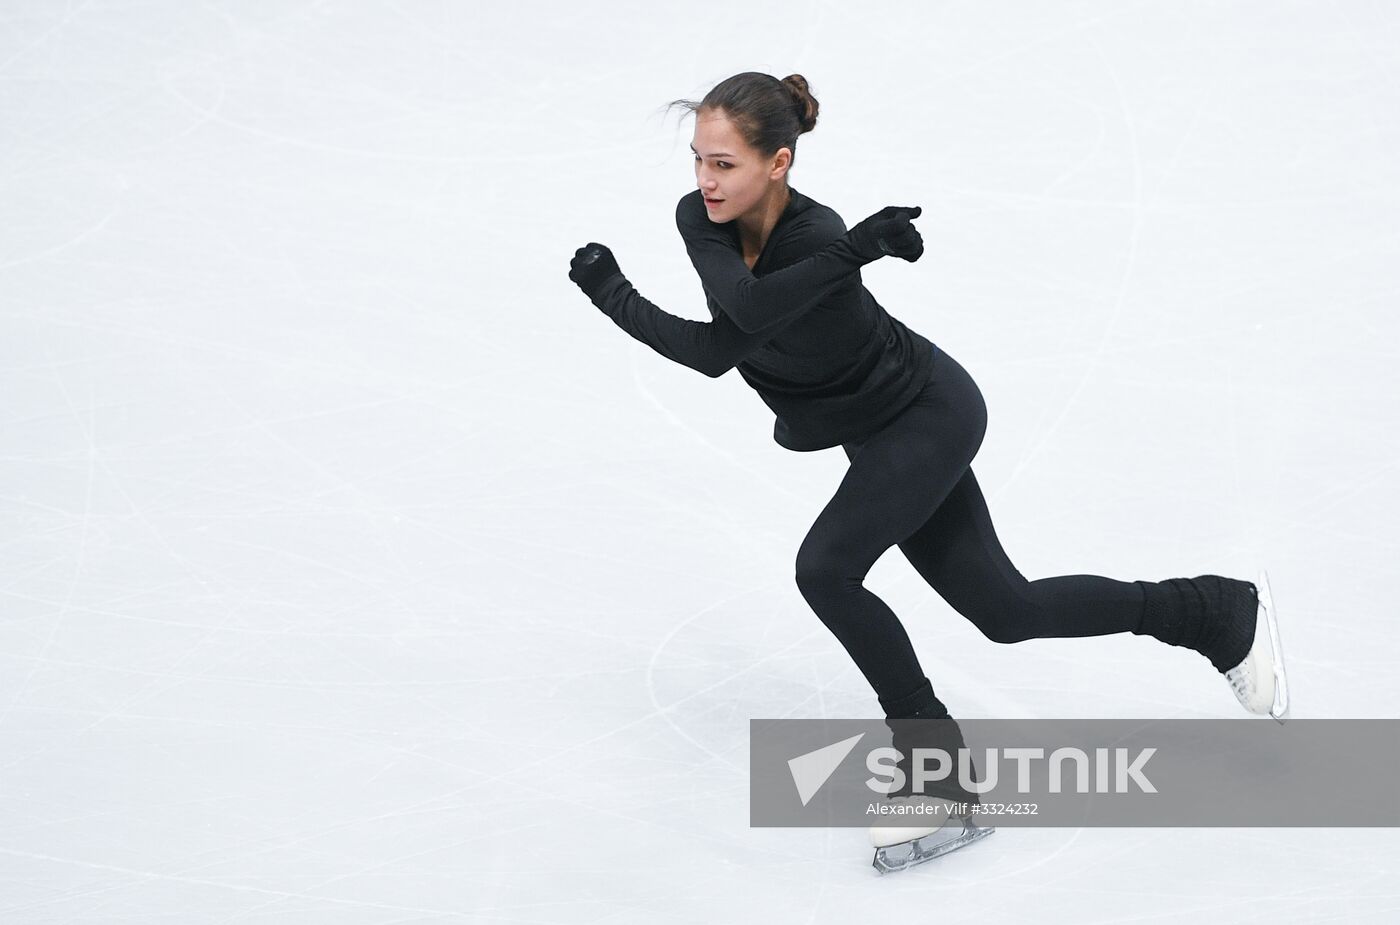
(814, 579)
(821, 572)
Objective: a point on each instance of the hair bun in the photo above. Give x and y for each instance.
(802, 97)
(768, 113)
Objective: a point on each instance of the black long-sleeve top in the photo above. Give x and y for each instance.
(800, 327)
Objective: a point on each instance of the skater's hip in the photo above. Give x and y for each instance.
(952, 393)
(948, 413)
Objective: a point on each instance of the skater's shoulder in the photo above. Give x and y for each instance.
(688, 203)
(814, 221)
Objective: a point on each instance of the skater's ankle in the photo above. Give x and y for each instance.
(921, 702)
(1209, 614)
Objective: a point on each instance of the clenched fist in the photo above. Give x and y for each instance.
(592, 266)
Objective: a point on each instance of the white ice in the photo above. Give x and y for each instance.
(356, 569)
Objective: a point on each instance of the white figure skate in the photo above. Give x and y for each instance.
(1259, 682)
(901, 847)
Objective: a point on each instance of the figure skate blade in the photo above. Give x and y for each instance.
(1279, 709)
(947, 839)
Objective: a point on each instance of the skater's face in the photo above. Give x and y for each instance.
(728, 170)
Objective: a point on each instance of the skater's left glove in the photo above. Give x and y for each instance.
(592, 266)
(889, 231)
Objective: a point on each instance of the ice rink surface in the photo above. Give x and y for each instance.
(356, 569)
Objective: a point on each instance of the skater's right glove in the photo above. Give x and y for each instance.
(889, 231)
(592, 266)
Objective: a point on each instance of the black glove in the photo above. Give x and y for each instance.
(889, 231)
(592, 266)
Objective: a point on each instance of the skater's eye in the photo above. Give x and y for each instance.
(724, 164)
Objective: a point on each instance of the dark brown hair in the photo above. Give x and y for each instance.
(769, 113)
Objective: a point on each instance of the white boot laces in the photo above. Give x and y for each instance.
(1241, 679)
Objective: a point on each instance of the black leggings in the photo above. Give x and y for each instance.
(911, 484)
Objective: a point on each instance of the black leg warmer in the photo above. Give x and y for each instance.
(1211, 614)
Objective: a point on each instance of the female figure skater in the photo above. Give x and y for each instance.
(781, 274)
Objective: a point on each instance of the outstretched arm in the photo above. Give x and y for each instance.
(756, 303)
(709, 347)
